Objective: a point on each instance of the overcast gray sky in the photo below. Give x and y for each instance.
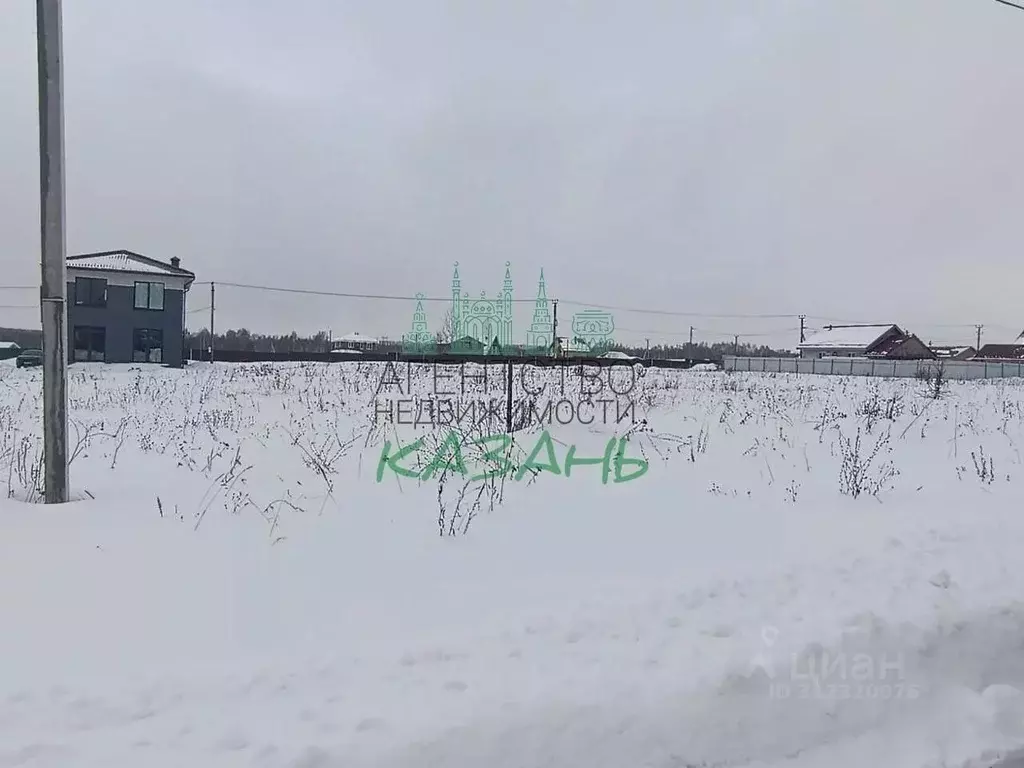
(858, 160)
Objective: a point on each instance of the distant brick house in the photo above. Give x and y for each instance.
(124, 307)
(996, 352)
(886, 341)
(904, 347)
(1013, 352)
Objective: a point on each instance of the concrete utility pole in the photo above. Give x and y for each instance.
(978, 328)
(53, 288)
(736, 345)
(803, 320)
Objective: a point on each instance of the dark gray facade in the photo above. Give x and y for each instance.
(112, 329)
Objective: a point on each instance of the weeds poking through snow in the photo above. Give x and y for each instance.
(661, 444)
(859, 472)
(460, 498)
(792, 491)
(27, 467)
(983, 467)
(699, 445)
(323, 457)
(225, 487)
(830, 417)
(877, 408)
(290, 422)
(935, 378)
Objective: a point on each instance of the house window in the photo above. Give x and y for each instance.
(90, 291)
(90, 344)
(148, 346)
(149, 295)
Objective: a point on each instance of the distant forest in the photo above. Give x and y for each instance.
(244, 340)
(26, 339)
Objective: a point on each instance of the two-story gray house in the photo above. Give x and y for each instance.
(126, 308)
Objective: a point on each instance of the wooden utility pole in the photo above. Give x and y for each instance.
(554, 325)
(213, 297)
(978, 327)
(803, 320)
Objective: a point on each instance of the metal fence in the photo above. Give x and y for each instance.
(859, 366)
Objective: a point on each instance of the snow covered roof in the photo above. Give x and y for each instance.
(569, 345)
(8, 345)
(950, 350)
(1001, 352)
(125, 261)
(355, 336)
(848, 336)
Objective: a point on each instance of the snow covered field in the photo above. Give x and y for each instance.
(813, 571)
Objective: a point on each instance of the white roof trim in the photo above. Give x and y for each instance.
(124, 261)
(357, 337)
(128, 279)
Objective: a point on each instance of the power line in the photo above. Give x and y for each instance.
(1012, 5)
(756, 334)
(673, 313)
(592, 305)
(340, 295)
(655, 334)
(571, 302)
(847, 321)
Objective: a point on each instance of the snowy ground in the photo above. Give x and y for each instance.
(234, 587)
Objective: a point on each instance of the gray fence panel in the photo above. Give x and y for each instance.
(956, 369)
(844, 366)
(862, 367)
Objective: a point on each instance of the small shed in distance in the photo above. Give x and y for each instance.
(354, 342)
